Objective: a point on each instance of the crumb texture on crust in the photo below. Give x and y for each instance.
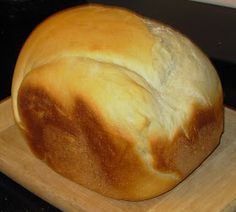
(121, 104)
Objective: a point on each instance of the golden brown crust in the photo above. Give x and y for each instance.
(120, 104)
(78, 146)
(186, 150)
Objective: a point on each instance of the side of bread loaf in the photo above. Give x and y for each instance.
(121, 104)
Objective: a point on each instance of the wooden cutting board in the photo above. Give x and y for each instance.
(212, 187)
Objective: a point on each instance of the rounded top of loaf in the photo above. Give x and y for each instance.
(163, 67)
(143, 79)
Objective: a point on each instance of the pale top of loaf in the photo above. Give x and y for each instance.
(142, 79)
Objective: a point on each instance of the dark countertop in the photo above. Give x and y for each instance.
(211, 27)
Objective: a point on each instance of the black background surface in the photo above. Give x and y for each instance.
(210, 27)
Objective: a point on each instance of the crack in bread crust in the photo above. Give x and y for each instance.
(205, 127)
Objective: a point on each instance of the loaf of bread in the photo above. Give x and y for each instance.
(121, 104)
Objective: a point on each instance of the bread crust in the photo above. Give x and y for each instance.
(103, 107)
(81, 148)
